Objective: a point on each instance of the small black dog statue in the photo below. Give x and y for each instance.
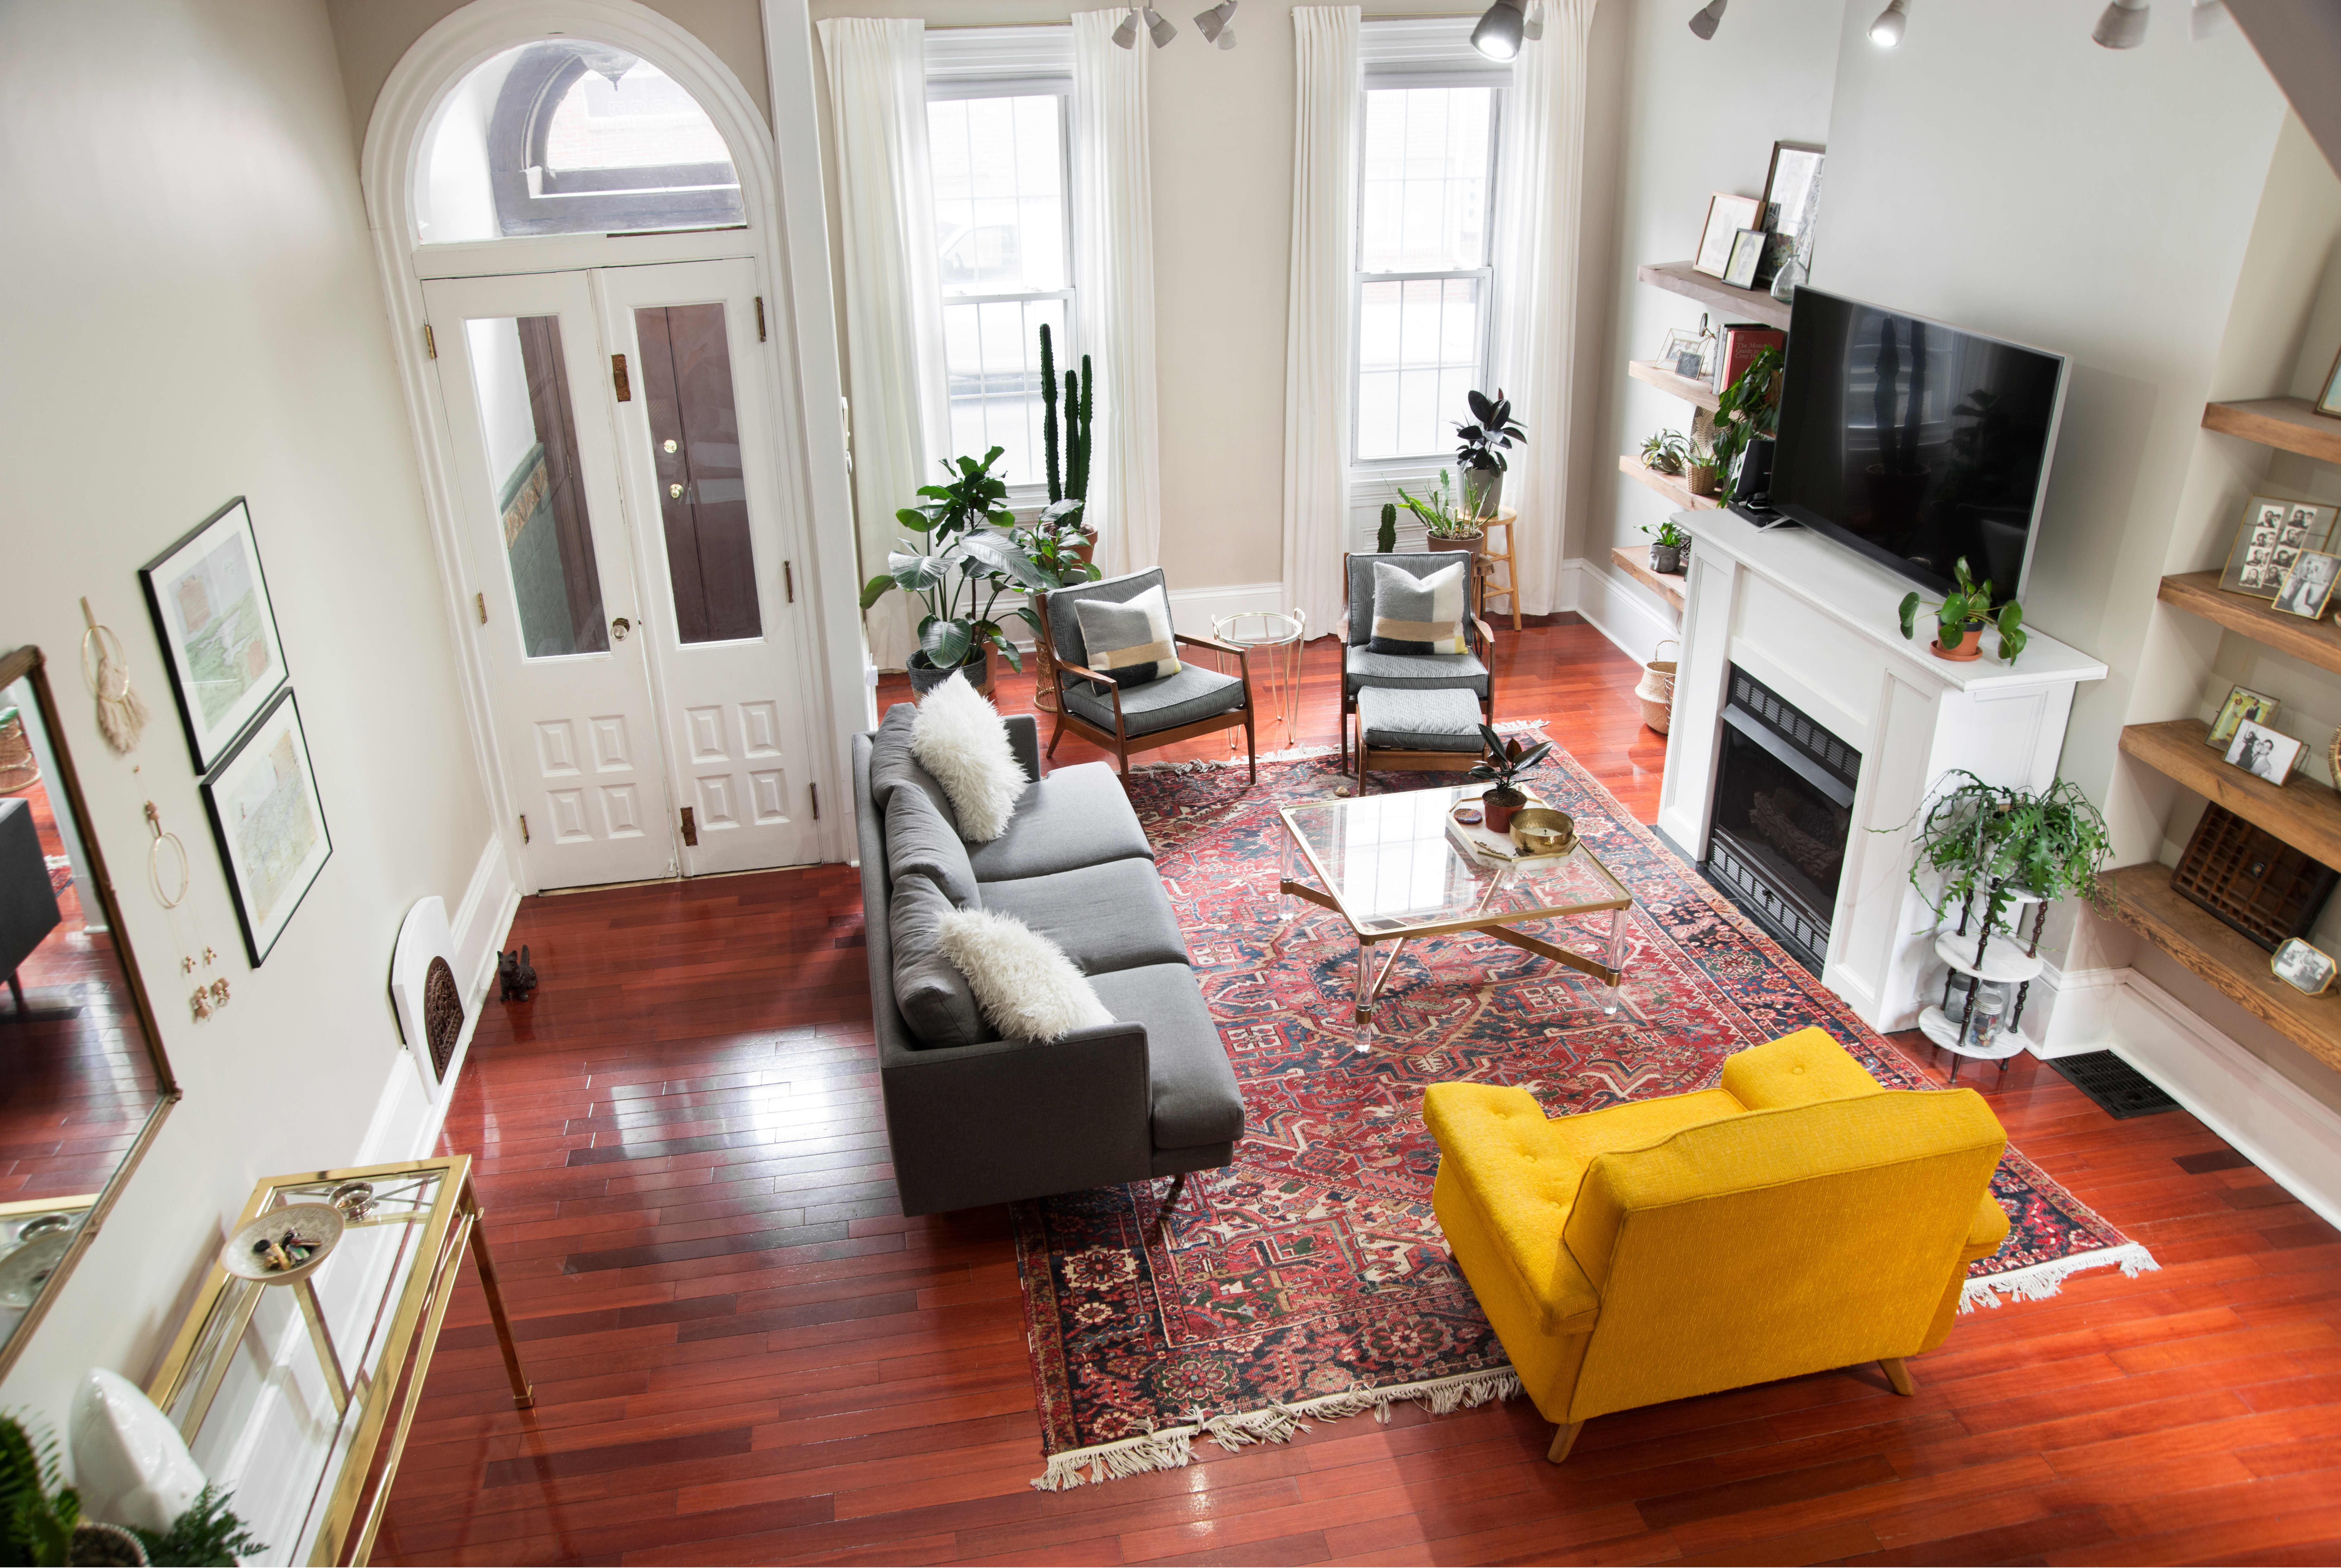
(517, 974)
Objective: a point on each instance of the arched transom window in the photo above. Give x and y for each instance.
(569, 137)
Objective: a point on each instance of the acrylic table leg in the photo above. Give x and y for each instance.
(327, 1358)
(523, 1397)
(1616, 958)
(1362, 1030)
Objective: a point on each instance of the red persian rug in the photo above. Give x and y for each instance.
(1310, 1278)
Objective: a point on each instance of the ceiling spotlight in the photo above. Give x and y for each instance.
(1887, 31)
(2208, 17)
(1126, 36)
(1217, 23)
(1532, 26)
(2123, 26)
(1498, 36)
(1704, 23)
(1161, 31)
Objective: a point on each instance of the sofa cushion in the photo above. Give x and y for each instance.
(1417, 615)
(1110, 917)
(1362, 667)
(959, 738)
(929, 989)
(1077, 816)
(1194, 693)
(1411, 719)
(892, 764)
(1028, 987)
(920, 843)
(1795, 1069)
(1192, 1088)
(1497, 1147)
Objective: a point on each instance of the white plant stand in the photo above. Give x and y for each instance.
(1998, 958)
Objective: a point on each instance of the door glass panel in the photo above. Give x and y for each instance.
(695, 451)
(532, 443)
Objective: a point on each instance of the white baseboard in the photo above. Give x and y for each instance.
(1618, 607)
(2071, 1012)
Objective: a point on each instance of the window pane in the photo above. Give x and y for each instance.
(1418, 351)
(529, 434)
(998, 170)
(695, 451)
(1423, 197)
(644, 119)
(992, 350)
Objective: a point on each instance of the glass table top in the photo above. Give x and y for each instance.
(1395, 870)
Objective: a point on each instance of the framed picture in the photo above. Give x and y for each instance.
(269, 823)
(1747, 256)
(2274, 530)
(2308, 585)
(2305, 969)
(2263, 752)
(1689, 354)
(2328, 401)
(1792, 194)
(211, 615)
(1726, 216)
(2242, 703)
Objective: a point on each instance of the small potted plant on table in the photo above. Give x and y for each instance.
(1667, 542)
(1480, 451)
(1505, 761)
(1961, 616)
(962, 562)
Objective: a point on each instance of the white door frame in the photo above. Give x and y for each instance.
(786, 240)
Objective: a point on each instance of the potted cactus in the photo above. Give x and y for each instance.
(1060, 540)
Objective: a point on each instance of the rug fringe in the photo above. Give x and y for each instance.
(1171, 1447)
(2042, 1280)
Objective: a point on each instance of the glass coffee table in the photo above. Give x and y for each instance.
(1388, 866)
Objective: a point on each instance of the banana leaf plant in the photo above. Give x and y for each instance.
(958, 565)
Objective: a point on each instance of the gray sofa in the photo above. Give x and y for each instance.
(973, 1120)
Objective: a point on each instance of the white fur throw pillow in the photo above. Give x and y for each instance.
(1024, 983)
(958, 738)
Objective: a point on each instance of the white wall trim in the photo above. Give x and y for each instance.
(1618, 607)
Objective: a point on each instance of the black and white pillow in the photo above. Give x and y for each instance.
(1130, 641)
(1419, 614)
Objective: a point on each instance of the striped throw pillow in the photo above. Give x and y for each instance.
(1130, 641)
(1417, 614)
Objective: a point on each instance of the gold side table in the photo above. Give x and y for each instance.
(390, 1277)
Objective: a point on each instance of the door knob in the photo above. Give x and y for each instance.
(620, 626)
(674, 491)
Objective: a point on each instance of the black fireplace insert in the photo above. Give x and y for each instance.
(1784, 789)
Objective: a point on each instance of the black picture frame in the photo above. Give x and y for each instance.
(232, 799)
(213, 729)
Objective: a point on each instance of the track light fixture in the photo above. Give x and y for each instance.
(1532, 25)
(2123, 26)
(1126, 36)
(2208, 17)
(1161, 31)
(1887, 31)
(1158, 28)
(1498, 36)
(1218, 25)
(1709, 15)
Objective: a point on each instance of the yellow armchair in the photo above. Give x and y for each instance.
(1796, 1218)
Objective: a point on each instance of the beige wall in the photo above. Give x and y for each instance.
(200, 319)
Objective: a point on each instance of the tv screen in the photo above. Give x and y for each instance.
(1914, 443)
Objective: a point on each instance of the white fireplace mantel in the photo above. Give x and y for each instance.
(1820, 625)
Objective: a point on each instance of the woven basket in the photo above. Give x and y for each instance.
(19, 769)
(1655, 691)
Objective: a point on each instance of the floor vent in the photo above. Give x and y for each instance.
(2120, 1091)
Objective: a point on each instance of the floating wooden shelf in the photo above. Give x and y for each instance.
(2198, 593)
(1634, 560)
(1737, 304)
(1687, 388)
(1666, 484)
(2144, 901)
(2302, 812)
(2289, 424)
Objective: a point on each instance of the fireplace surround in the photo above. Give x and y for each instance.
(1784, 795)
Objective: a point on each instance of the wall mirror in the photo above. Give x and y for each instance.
(84, 1082)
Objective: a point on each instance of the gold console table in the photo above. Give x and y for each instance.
(402, 1246)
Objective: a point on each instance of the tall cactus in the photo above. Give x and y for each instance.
(1386, 540)
(1049, 414)
(1077, 427)
(1073, 445)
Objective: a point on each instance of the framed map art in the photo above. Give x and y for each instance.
(269, 823)
(211, 615)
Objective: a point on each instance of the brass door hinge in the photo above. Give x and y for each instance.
(479, 603)
(523, 829)
(430, 343)
(760, 318)
(618, 378)
(789, 580)
(690, 827)
(816, 800)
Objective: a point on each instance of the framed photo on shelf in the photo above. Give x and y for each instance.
(1792, 193)
(1689, 354)
(2242, 703)
(269, 824)
(2306, 969)
(2262, 752)
(1747, 256)
(211, 615)
(2307, 587)
(2275, 530)
(2328, 401)
(1727, 214)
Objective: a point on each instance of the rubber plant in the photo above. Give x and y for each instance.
(1506, 762)
(1967, 608)
(1994, 840)
(1480, 448)
(961, 562)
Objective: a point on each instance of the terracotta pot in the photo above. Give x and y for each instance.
(1500, 805)
(1666, 560)
(1469, 544)
(1969, 646)
(1703, 477)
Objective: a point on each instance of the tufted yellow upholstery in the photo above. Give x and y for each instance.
(1798, 1217)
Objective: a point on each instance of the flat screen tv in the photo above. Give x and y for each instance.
(1913, 443)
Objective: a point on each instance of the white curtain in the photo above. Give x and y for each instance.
(1542, 193)
(1317, 349)
(1113, 222)
(894, 296)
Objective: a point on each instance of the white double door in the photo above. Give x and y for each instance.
(630, 580)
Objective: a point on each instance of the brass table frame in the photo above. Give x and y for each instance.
(200, 1354)
(1608, 968)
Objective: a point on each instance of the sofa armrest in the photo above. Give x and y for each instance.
(1024, 739)
(1011, 1120)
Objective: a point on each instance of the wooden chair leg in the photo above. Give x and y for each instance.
(1564, 1438)
(1054, 736)
(1170, 1199)
(1251, 747)
(1899, 1375)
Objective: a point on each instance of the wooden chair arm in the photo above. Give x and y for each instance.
(1114, 687)
(1212, 642)
(1487, 634)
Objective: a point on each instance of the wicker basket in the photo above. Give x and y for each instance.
(19, 769)
(1655, 691)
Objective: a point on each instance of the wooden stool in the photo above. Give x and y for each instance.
(1489, 555)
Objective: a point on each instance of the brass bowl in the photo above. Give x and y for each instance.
(1541, 830)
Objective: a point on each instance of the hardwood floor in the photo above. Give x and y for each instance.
(743, 1354)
